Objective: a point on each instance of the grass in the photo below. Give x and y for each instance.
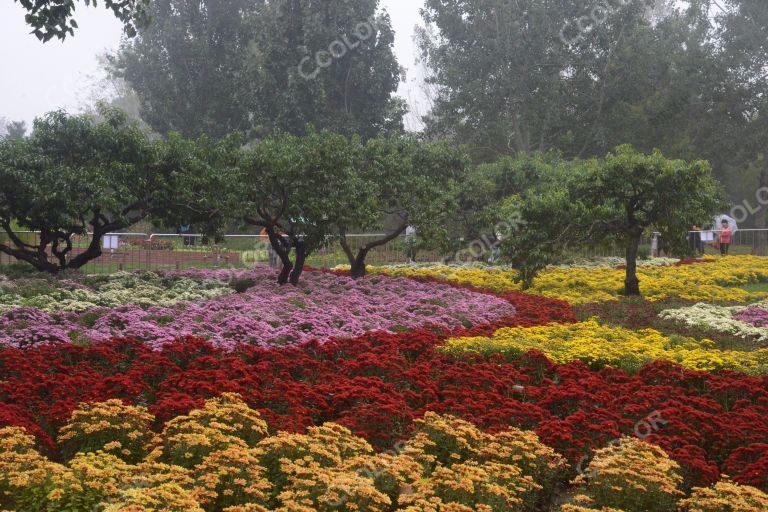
(756, 287)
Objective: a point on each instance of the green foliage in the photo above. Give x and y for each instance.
(685, 77)
(54, 18)
(405, 183)
(617, 198)
(70, 177)
(295, 188)
(483, 215)
(213, 67)
(16, 130)
(189, 67)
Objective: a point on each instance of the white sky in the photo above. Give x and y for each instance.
(36, 78)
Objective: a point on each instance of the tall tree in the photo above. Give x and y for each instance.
(500, 71)
(330, 64)
(217, 66)
(16, 130)
(188, 67)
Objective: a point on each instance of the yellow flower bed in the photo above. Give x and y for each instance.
(221, 458)
(717, 280)
(599, 345)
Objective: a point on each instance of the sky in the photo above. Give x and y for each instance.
(36, 78)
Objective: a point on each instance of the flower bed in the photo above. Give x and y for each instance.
(78, 293)
(713, 281)
(322, 307)
(157, 455)
(222, 457)
(599, 346)
(377, 384)
(750, 323)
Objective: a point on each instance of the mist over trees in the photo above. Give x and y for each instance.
(218, 66)
(688, 78)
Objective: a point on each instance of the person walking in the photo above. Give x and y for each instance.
(410, 244)
(726, 238)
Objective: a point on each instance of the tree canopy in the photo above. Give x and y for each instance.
(686, 77)
(213, 67)
(616, 198)
(73, 176)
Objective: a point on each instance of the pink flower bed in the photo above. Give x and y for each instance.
(322, 307)
(754, 316)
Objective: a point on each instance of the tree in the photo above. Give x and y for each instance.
(329, 64)
(218, 66)
(404, 183)
(189, 67)
(617, 198)
(71, 177)
(479, 218)
(501, 73)
(292, 187)
(54, 18)
(583, 77)
(16, 129)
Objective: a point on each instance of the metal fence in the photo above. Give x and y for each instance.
(168, 251)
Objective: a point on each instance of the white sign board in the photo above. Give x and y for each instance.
(110, 242)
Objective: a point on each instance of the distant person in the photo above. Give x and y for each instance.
(410, 244)
(726, 238)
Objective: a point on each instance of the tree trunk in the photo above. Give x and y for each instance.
(301, 255)
(91, 253)
(358, 264)
(359, 267)
(631, 282)
(760, 241)
(281, 248)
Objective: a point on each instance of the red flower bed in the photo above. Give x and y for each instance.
(378, 383)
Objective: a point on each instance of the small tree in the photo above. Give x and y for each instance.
(293, 188)
(402, 182)
(483, 214)
(71, 177)
(616, 199)
(629, 193)
(16, 130)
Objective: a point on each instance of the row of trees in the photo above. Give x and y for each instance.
(506, 78)
(76, 175)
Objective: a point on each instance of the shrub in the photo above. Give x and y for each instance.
(24, 473)
(726, 496)
(89, 480)
(229, 477)
(222, 423)
(167, 497)
(490, 486)
(112, 427)
(634, 476)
